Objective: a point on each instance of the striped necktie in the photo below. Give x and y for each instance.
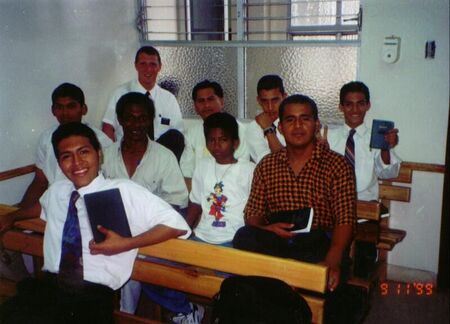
(71, 265)
(350, 148)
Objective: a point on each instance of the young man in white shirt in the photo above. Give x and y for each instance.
(68, 105)
(369, 164)
(208, 99)
(262, 136)
(83, 292)
(168, 122)
(138, 158)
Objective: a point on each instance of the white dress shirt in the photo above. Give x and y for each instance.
(369, 165)
(144, 211)
(195, 148)
(167, 111)
(257, 144)
(158, 171)
(46, 159)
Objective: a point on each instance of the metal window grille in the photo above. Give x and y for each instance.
(248, 20)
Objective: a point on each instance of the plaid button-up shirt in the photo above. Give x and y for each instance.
(326, 183)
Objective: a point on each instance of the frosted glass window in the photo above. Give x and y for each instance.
(318, 72)
(186, 66)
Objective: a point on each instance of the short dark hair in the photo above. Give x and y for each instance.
(354, 86)
(270, 81)
(74, 129)
(135, 98)
(149, 50)
(298, 99)
(205, 84)
(68, 90)
(223, 120)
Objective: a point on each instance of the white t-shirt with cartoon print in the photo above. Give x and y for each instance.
(222, 191)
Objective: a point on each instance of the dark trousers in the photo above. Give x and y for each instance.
(174, 141)
(40, 301)
(346, 304)
(308, 247)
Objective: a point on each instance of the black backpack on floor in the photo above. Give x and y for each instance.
(253, 299)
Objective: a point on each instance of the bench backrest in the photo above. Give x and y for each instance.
(200, 262)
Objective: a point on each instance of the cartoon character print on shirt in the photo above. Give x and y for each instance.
(218, 200)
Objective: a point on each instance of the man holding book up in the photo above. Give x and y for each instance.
(369, 164)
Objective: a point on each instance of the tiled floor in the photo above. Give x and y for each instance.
(408, 297)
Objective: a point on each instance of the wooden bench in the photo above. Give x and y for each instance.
(373, 222)
(197, 273)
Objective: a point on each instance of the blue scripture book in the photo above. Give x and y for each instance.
(106, 208)
(379, 128)
(301, 218)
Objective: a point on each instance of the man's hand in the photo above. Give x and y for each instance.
(263, 120)
(333, 261)
(391, 137)
(281, 229)
(113, 243)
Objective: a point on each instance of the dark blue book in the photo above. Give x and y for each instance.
(106, 208)
(301, 218)
(379, 129)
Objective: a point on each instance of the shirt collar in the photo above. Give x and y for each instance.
(317, 153)
(361, 130)
(93, 186)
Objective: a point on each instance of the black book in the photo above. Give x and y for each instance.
(301, 218)
(379, 128)
(106, 208)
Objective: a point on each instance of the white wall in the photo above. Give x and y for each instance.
(44, 43)
(92, 43)
(414, 92)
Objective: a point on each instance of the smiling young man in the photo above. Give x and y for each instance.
(370, 164)
(80, 275)
(168, 123)
(302, 175)
(208, 99)
(261, 135)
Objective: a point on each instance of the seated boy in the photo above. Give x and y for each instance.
(208, 99)
(220, 185)
(220, 188)
(81, 275)
(68, 105)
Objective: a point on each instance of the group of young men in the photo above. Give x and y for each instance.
(154, 160)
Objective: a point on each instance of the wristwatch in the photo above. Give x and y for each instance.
(271, 129)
